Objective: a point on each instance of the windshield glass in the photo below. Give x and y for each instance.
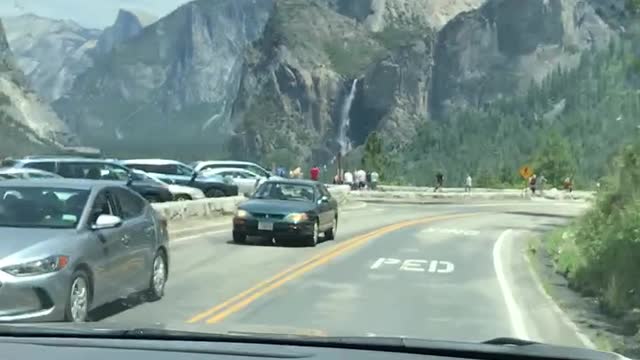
(284, 191)
(441, 169)
(259, 171)
(41, 207)
(143, 176)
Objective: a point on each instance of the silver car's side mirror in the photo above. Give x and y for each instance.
(106, 222)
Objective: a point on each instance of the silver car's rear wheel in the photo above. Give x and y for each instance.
(158, 277)
(77, 309)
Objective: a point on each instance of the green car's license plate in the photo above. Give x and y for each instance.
(267, 226)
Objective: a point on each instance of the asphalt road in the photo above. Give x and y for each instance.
(455, 272)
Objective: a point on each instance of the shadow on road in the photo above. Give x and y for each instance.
(117, 307)
(253, 242)
(537, 228)
(269, 242)
(540, 214)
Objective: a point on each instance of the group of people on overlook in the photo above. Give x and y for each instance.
(361, 179)
(356, 179)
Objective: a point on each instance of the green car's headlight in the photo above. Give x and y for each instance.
(242, 213)
(297, 217)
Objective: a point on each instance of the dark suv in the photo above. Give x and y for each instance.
(97, 169)
(175, 172)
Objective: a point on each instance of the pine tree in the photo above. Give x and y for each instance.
(374, 158)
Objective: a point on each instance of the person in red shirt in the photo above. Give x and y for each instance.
(314, 173)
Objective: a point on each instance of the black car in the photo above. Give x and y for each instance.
(175, 172)
(288, 210)
(97, 169)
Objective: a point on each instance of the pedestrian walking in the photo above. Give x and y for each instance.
(361, 178)
(374, 180)
(468, 183)
(568, 184)
(348, 179)
(439, 181)
(314, 173)
(297, 173)
(540, 182)
(532, 184)
(368, 179)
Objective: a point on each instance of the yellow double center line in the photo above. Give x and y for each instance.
(242, 300)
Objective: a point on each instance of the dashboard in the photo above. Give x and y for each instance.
(110, 349)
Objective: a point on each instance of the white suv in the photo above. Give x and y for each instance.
(255, 168)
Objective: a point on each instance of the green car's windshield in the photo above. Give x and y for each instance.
(284, 191)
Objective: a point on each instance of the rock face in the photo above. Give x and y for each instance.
(296, 80)
(50, 52)
(127, 25)
(386, 45)
(177, 79)
(272, 80)
(380, 14)
(53, 53)
(502, 47)
(26, 123)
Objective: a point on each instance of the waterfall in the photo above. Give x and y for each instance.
(343, 139)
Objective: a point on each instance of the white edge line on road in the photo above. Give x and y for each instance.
(191, 237)
(515, 315)
(556, 308)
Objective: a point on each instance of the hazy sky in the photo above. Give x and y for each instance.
(99, 14)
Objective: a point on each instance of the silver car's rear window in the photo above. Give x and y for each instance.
(41, 207)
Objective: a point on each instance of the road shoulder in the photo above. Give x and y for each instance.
(606, 333)
(538, 318)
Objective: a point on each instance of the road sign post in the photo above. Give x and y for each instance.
(526, 171)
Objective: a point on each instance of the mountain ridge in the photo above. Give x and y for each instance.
(26, 123)
(257, 79)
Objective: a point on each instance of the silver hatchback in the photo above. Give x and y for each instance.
(68, 246)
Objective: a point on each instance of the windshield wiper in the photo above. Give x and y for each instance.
(509, 341)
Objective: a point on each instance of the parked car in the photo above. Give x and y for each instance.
(15, 173)
(254, 168)
(69, 246)
(96, 169)
(288, 210)
(246, 180)
(180, 192)
(175, 172)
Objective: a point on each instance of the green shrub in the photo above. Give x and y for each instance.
(602, 257)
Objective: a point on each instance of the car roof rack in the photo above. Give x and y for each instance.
(62, 156)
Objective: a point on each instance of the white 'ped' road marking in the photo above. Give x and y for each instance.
(515, 315)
